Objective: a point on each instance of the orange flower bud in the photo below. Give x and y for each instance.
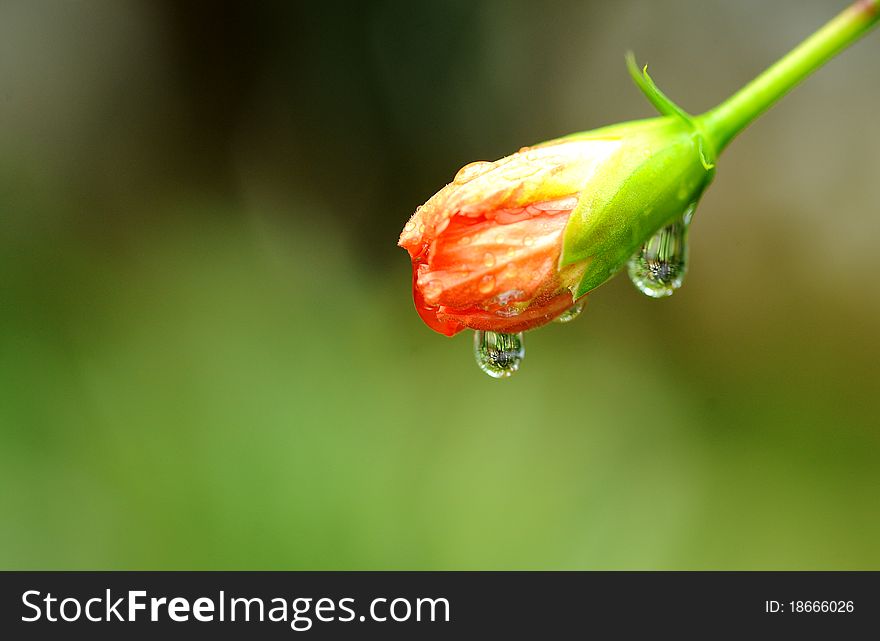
(485, 249)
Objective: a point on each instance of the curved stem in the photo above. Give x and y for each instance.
(725, 121)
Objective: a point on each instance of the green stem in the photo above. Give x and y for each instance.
(725, 121)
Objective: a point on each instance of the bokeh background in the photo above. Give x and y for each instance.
(208, 352)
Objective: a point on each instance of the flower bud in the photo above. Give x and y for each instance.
(512, 244)
(485, 249)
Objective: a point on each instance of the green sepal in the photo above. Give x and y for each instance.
(656, 174)
(652, 92)
(666, 107)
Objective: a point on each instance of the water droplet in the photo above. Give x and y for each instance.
(432, 290)
(528, 241)
(506, 302)
(489, 259)
(659, 267)
(471, 171)
(465, 240)
(487, 284)
(499, 355)
(689, 214)
(409, 226)
(508, 312)
(572, 312)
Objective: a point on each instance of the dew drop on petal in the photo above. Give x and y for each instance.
(521, 171)
(471, 171)
(487, 284)
(571, 313)
(659, 267)
(507, 305)
(489, 259)
(528, 241)
(409, 226)
(432, 290)
(498, 355)
(510, 311)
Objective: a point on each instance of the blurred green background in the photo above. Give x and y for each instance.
(209, 353)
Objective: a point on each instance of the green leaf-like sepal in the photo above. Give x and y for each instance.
(652, 92)
(656, 173)
(666, 107)
(660, 168)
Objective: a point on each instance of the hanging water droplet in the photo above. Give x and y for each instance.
(499, 355)
(571, 313)
(659, 267)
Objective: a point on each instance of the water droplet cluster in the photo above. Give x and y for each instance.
(657, 270)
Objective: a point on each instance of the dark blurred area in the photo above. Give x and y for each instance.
(209, 355)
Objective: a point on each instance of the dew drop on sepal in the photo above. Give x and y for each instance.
(497, 354)
(659, 267)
